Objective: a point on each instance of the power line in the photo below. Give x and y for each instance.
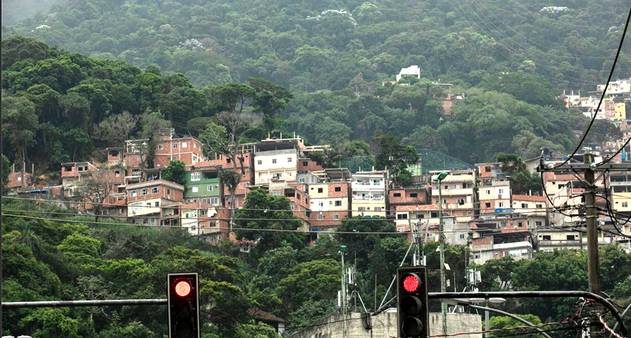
(615, 154)
(602, 97)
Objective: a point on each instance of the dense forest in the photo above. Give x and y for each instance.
(510, 59)
(60, 106)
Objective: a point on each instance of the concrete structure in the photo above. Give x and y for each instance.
(550, 239)
(369, 193)
(385, 325)
(458, 194)
(155, 203)
(202, 185)
(296, 194)
(330, 204)
(171, 148)
(19, 180)
(529, 204)
(412, 71)
(616, 88)
(493, 246)
(72, 175)
(494, 191)
(276, 160)
(620, 194)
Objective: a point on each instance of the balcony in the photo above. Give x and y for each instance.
(454, 192)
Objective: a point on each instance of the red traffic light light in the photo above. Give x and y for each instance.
(182, 288)
(411, 283)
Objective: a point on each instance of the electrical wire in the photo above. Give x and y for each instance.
(614, 154)
(607, 328)
(602, 97)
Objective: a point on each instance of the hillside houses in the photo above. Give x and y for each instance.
(478, 206)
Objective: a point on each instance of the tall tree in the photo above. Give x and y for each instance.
(115, 129)
(19, 124)
(396, 158)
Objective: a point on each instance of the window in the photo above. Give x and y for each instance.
(273, 161)
(168, 191)
(338, 189)
(338, 203)
(500, 191)
(210, 187)
(160, 146)
(397, 194)
(519, 224)
(133, 193)
(461, 236)
(402, 216)
(488, 192)
(320, 216)
(461, 201)
(194, 189)
(625, 204)
(259, 162)
(501, 204)
(305, 163)
(487, 169)
(157, 204)
(149, 204)
(434, 214)
(289, 159)
(154, 190)
(420, 216)
(196, 176)
(547, 237)
(538, 223)
(377, 208)
(487, 205)
(320, 190)
(539, 205)
(570, 237)
(524, 205)
(184, 145)
(336, 216)
(174, 145)
(117, 173)
(414, 194)
(464, 186)
(446, 187)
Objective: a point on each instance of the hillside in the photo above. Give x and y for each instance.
(312, 45)
(64, 105)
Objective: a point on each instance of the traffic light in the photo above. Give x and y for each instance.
(183, 305)
(413, 313)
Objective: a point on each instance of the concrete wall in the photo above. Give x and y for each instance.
(384, 325)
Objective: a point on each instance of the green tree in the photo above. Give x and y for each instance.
(396, 158)
(175, 172)
(262, 211)
(19, 124)
(115, 129)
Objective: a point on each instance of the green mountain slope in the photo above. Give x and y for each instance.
(309, 45)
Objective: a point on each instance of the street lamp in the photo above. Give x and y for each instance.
(438, 178)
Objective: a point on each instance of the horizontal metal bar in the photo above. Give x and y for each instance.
(583, 166)
(533, 294)
(91, 302)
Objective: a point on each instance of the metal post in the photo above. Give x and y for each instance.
(443, 284)
(486, 318)
(343, 296)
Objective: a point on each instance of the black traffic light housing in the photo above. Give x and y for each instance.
(183, 296)
(413, 312)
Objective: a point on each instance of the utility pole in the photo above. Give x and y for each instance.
(344, 328)
(593, 267)
(443, 284)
